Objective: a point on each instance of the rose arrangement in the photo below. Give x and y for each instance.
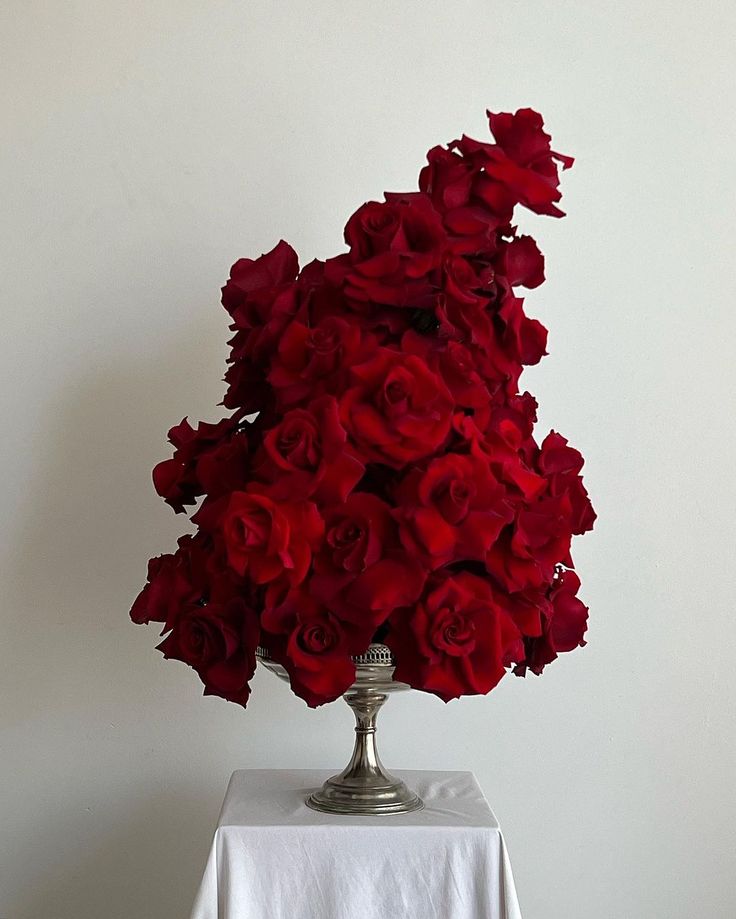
(390, 487)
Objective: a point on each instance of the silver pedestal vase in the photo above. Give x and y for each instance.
(364, 786)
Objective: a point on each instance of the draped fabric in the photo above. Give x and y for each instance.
(274, 858)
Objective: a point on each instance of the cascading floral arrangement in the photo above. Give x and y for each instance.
(390, 487)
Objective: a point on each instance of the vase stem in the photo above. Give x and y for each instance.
(365, 760)
(364, 786)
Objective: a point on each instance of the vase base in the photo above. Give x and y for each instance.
(338, 796)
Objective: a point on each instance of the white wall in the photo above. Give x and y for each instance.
(152, 143)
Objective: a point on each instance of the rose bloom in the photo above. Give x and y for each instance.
(361, 572)
(312, 359)
(565, 621)
(405, 224)
(561, 464)
(210, 459)
(313, 646)
(267, 540)
(219, 641)
(456, 641)
(177, 583)
(454, 510)
(527, 552)
(306, 455)
(397, 410)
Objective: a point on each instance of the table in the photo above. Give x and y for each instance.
(272, 857)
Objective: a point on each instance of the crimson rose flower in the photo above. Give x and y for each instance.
(306, 455)
(311, 358)
(405, 225)
(177, 583)
(266, 539)
(565, 624)
(361, 574)
(454, 510)
(561, 464)
(456, 641)
(457, 365)
(211, 459)
(524, 141)
(219, 641)
(521, 262)
(397, 410)
(313, 646)
(539, 539)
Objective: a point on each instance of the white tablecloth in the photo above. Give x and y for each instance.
(274, 858)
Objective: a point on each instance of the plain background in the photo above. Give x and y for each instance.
(150, 144)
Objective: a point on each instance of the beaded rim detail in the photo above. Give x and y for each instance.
(376, 655)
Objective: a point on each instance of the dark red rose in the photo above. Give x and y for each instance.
(452, 511)
(313, 646)
(247, 387)
(361, 572)
(315, 359)
(262, 296)
(213, 459)
(503, 448)
(219, 641)
(397, 410)
(520, 168)
(306, 455)
(254, 282)
(383, 282)
(524, 141)
(458, 189)
(461, 308)
(561, 464)
(456, 641)
(527, 552)
(457, 365)
(268, 539)
(405, 224)
(524, 339)
(176, 583)
(521, 262)
(565, 624)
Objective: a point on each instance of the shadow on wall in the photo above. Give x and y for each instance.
(105, 817)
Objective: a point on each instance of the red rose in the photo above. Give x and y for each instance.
(462, 307)
(561, 464)
(452, 511)
(262, 296)
(520, 168)
(457, 365)
(211, 459)
(539, 539)
(361, 574)
(456, 641)
(460, 192)
(313, 359)
(219, 641)
(565, 624)
(397, 410)
(406, 225)
(266, 539)
(521, 262)
(305, 455)
(176, 583)
(524, 339)
(524, 141)
(313, 646)
(255, 284)
(502, 446)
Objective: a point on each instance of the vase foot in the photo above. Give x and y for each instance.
(377, 798)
